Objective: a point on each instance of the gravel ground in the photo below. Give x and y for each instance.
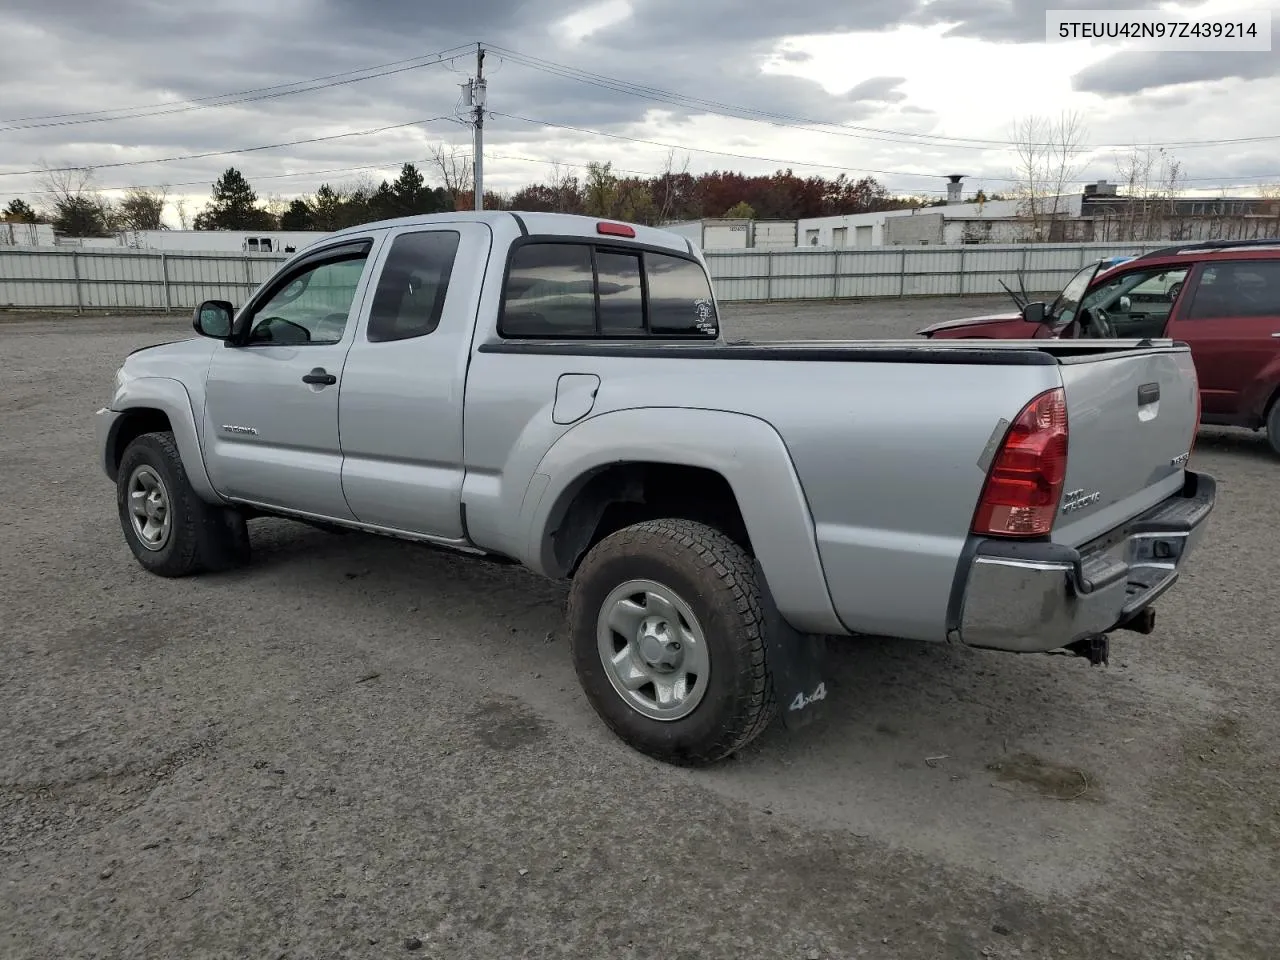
(362, 748)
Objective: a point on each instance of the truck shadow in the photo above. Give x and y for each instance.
(926, 737)
(1236, 442)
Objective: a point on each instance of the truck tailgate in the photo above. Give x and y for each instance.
(1132, 417)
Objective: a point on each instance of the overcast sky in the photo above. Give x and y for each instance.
(909, 90)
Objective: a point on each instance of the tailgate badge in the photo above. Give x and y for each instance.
(1078, 500)
(1180, 459)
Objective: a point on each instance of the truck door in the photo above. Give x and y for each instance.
(1231, 320)
(271, 397)
(402, 387)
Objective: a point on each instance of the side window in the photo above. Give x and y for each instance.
(312, 307)
(680, 300)
(1240, 289)
(411, 291)
(1138, 302)
(550, 292)
(621, 293)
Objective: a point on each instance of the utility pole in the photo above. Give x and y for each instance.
(477, 150)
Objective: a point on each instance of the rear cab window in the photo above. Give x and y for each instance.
(575, 289)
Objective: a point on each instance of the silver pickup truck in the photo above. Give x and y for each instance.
(556, 391)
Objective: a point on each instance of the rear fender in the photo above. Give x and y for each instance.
(170, 397)
(745, 450)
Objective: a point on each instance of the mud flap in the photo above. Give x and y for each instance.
(796, 661)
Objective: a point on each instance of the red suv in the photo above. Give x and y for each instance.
(1221, 298)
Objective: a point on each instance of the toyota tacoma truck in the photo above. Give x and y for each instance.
(556, 391)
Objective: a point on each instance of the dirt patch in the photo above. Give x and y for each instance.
(1048, 778)
(505, 725)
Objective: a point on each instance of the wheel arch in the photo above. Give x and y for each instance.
(609, 459)
(149, 404)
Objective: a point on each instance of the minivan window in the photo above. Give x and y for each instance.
(1240, 289)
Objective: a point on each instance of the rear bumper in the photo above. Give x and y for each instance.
(1033, 597)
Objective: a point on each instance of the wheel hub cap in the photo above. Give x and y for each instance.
(148, 506)
(653, 650)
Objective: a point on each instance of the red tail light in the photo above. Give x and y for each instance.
(1024, 485)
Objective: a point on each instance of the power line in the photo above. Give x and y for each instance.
(828, 166)
(725, 153)
(223, 153)
(844, 129)
(244, 96)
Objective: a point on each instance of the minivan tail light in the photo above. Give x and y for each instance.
(1024, 485)
(615, 229)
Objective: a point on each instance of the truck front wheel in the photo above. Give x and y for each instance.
(171, 531)
(668, 642)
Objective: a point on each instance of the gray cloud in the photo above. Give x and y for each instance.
(82, 55)
(879, 89)
(1008, 21)
(1135, 72)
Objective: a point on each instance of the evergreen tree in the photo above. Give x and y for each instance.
(233, 206)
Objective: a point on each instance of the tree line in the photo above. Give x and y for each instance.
(76, 208)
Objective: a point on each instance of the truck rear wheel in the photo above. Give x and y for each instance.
(667, 634)
(171, 531)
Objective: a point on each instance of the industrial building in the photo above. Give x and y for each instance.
(198, 241)
(722, 233)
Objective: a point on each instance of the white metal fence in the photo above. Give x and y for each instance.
(139, 280)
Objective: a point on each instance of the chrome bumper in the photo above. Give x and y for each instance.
(104, 425)
(1033, 597)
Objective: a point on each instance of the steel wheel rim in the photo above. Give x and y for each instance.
(149, 508)
(653, 650)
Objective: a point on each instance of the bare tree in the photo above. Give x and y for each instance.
(1048, 151)
(565, 189)
(142, 208)
(77, 209)
(180, 208)
(1152, 181)
(669, 183)
(453, 167)
(275, 205)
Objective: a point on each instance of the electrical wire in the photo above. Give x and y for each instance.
(844, 129)
(223, 153)
(202, 103)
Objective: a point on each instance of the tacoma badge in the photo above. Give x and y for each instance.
(1078, 500)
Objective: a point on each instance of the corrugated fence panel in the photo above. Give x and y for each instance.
(125, 279)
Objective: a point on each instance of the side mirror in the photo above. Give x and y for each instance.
(1034, 312)
(213, 319)
(1125, 305)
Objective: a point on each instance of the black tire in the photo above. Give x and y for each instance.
(716, 579)
(1273, 428)
(201, 536)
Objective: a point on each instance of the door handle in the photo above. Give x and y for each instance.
(1276, 334)
(319, 375)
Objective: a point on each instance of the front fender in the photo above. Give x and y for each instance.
(746, 451)
(169, 397)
